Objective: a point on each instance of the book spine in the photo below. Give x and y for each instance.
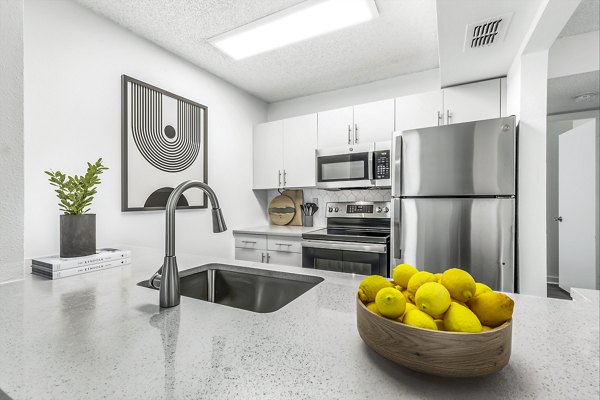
(52, 274)
(92, 260)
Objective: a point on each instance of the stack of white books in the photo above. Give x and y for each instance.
(54, 267)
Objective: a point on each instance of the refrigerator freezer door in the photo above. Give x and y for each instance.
(476, 235)
(472, 158)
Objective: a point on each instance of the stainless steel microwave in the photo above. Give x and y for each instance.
(359, 166)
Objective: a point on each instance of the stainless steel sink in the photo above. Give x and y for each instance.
(250, 289)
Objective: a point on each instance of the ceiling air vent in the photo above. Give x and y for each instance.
(487, 32)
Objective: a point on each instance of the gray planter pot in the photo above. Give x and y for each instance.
(77, 235)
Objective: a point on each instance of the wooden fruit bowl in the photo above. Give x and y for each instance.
(453, 354)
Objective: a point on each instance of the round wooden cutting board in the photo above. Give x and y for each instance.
(282, 210)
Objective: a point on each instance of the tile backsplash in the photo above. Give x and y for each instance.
(326, 196)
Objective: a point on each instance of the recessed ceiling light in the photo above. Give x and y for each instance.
(303, 21)
(585, 97)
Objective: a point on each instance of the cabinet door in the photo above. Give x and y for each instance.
(299, 144)
(472, 102)
(335, 127)
(419, 110)
(250, 255)
(267, 155)
(285, 258)
(374, 122)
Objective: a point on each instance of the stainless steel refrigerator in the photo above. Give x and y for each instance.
(454, 200)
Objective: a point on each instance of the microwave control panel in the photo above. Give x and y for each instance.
(382, 164)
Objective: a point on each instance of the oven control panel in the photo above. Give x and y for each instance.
(359, 209)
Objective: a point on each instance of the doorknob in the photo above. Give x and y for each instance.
(559, 219)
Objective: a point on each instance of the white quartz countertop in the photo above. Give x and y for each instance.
(284, 230)
(100, 336)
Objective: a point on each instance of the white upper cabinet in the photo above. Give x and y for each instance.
(299, 144)
(284, 153)
(419, 110)
(472, 102)
(268, 155)
(374, 122)
(336, 127)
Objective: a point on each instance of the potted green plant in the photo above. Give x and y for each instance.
(75, 195)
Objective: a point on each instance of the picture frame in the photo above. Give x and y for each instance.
(164, 142)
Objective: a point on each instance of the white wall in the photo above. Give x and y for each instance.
(384, 89)
(11, 139)
(574, 55)
(73, 64)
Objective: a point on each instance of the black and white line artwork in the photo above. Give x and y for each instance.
(163, 144)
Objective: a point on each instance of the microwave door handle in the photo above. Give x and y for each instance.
(371, 166)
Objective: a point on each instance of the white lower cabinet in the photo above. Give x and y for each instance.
(271, 249)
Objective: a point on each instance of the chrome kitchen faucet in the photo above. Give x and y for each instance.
(169, 275)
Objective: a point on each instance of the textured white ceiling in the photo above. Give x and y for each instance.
(402, 40)
(561, 92)
(586, 18)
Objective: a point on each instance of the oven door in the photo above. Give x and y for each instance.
(346, 167)
(349, 257)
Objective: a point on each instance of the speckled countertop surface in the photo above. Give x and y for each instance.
(101, 336)
(285, 230)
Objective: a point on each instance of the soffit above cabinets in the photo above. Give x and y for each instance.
(586, 18)
(401, 40)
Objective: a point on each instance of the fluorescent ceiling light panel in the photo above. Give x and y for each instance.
(304, 21)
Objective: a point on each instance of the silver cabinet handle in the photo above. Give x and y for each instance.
(355, 133)
(262, 257)
(282, 244)
(248, 241)
(558, 219)
(448, 117)
(279, 179)
(284, 177)
(440, 118)
(268, 257)
(349, 131)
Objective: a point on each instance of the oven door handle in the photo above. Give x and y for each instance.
(348, 246)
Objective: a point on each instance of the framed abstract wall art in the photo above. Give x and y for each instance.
(163, 143)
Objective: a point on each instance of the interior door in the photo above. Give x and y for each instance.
(577, 182)
(374, 122)
(335, 128)
(267, 155)
(475, 234)
(299, 144)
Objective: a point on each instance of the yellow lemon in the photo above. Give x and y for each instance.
(438, 276)
(409, 308)
(485, 328)
(460, 319)
(419, 319)
(402, 273)
(432, 298)
(370, 286)
(373, 307)
(452, 299)
(390, 302)
(440, 324)
(492, 308)
(481, 288)
(406, 296)
(418, 279)
(459, 283)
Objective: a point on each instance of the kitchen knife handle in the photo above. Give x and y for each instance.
(349, 131)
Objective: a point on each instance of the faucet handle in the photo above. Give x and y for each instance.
(154, 277)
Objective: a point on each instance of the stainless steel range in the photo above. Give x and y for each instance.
(356, 240)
